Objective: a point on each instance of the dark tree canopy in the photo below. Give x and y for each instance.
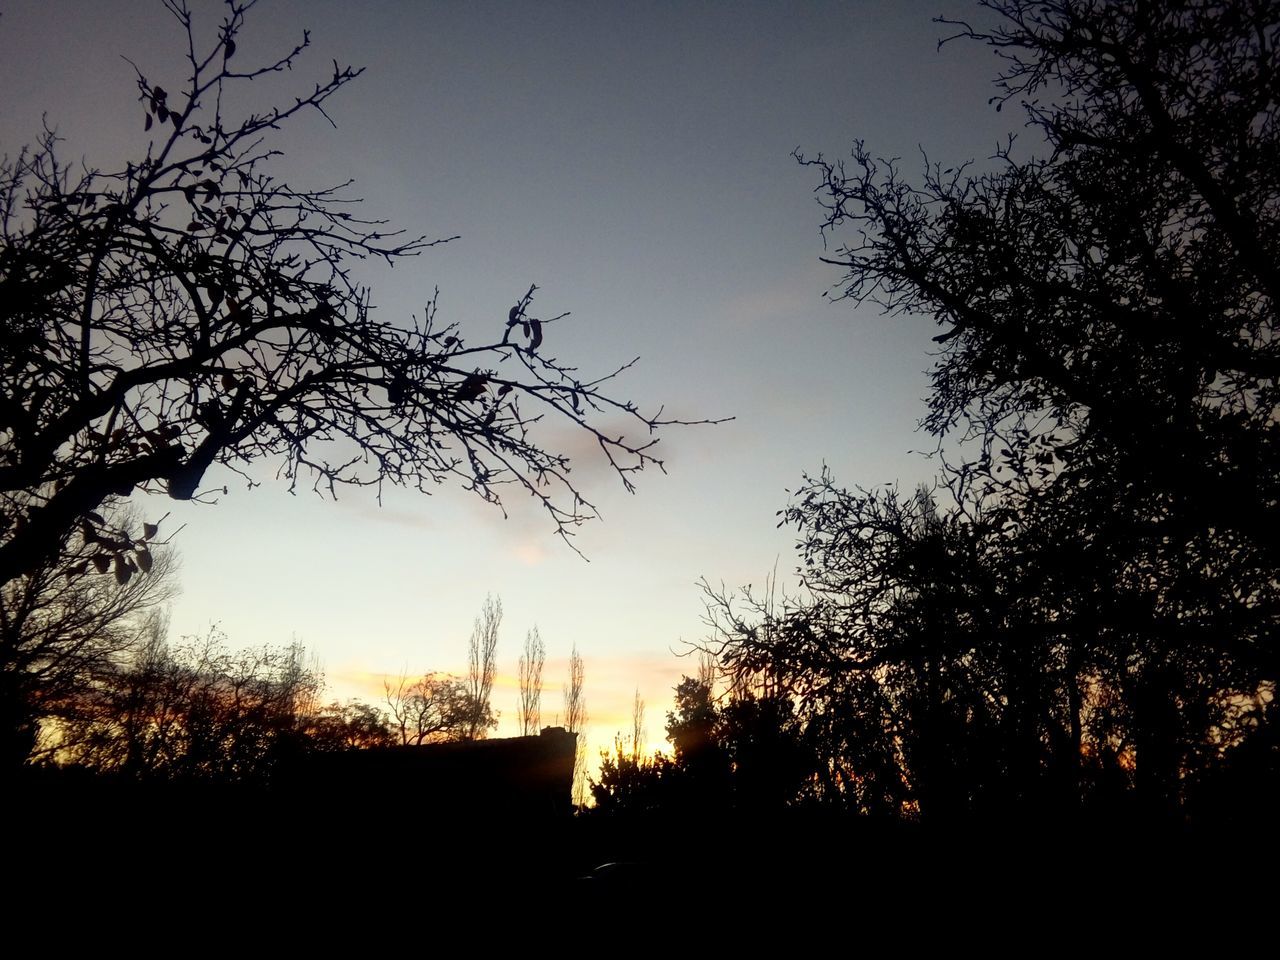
(197, 711)
(60, 628)
(740, 753)
(195, 308)
(1086, 608)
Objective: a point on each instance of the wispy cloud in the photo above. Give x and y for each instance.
(780, 301)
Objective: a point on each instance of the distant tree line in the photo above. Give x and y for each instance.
(102, 689)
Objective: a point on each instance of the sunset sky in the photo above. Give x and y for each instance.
(633, 160)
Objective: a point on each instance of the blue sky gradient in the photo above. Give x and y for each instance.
(633, 160)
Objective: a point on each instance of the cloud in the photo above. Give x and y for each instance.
(363, 508)
(779, 301)
(529, 553)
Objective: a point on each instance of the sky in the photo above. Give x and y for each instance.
(633, 160)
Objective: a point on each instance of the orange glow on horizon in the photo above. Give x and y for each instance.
(611, 685)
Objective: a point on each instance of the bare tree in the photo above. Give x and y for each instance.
(708, 669)
(481, 666)
(430, 709)
(196, 711)
(575, 708)
(1106, 389)
(353, 725)
(61, 624)
(192, 309)
(575, 718)
(531, 663)
(638, 735)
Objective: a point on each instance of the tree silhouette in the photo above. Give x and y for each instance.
(353, 725)
(432, 708)
(530, 668)
(61, 625)
(195, 712)
(743, 753)
(481, 668)
(1109, 311)
(575, 721)
(193, 308)
(1084, 611)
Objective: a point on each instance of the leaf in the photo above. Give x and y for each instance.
(144, 560)
(504, 389)
(228, 382)
(102, 562)
(472, 388)
(149, 530)
(229, 50)
(147, 125)
(536, 342)
(397, 389)
(123, 572)
(95, 517)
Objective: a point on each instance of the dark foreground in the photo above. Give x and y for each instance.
(205, 856)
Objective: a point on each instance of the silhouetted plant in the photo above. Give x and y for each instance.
(634, 785)
(482, 667)
(62, 623)
(434, 708)
(746, 754)
(353, 725)
(1087, 604)
(575, 721)
(194, 309)
(530, 676)
(198, 711)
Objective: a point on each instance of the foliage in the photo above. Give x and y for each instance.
(353, 725)
(61, 624)
(530, 676)
(198, 711)
(745, 754)
(194, 308)
(1083, 614)
(631, 784)
(482, 668)
(575, 721)
(434, 708)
